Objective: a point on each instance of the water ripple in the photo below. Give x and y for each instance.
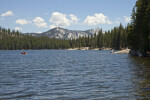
(73, 75)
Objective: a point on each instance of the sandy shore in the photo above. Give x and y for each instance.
(126, 51)
(83, 48)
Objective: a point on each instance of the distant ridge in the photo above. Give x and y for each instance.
(61, 33)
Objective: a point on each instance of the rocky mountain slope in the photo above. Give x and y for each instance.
(61, 33)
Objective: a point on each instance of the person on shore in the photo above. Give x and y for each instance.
(112, 51)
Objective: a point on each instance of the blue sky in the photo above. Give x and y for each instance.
(42, 15)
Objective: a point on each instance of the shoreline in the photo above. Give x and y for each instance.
(125, 51)
(88, 48)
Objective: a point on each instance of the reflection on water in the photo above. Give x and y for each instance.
(142, 71)
(73, 75)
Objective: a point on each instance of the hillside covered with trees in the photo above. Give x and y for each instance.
(12, 40)
(135, 36)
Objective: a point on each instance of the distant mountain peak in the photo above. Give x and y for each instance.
(62, 33)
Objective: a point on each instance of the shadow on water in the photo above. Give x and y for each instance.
(142, 73)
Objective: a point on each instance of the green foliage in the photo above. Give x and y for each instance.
(15, 40)
(12, 40)
(139, 29)
(135, 36)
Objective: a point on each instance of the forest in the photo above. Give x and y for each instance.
(12, 40)
(139, 28)
(135, 36)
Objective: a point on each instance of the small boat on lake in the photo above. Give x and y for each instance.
(24, 53)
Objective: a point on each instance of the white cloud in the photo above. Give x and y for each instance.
(96, 19)
(53, 26)
(39, 22)
(127, 19)
(62, 20)
(22, 21)
(8, 13)
(74, 18)
(18, 28)
(39, 32)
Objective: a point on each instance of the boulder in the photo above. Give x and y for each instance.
(139, 53)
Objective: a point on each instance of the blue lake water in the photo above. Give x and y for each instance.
(73, 75)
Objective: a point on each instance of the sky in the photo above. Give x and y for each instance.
(42, 15)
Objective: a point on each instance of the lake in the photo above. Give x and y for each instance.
(73, 75)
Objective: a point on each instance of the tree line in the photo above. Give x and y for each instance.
(115, 38)
(135, 36)
(12, 40)
(139, 28)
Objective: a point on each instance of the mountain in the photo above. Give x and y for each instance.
(61, 33)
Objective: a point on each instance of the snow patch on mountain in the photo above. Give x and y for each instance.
(61, 33)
